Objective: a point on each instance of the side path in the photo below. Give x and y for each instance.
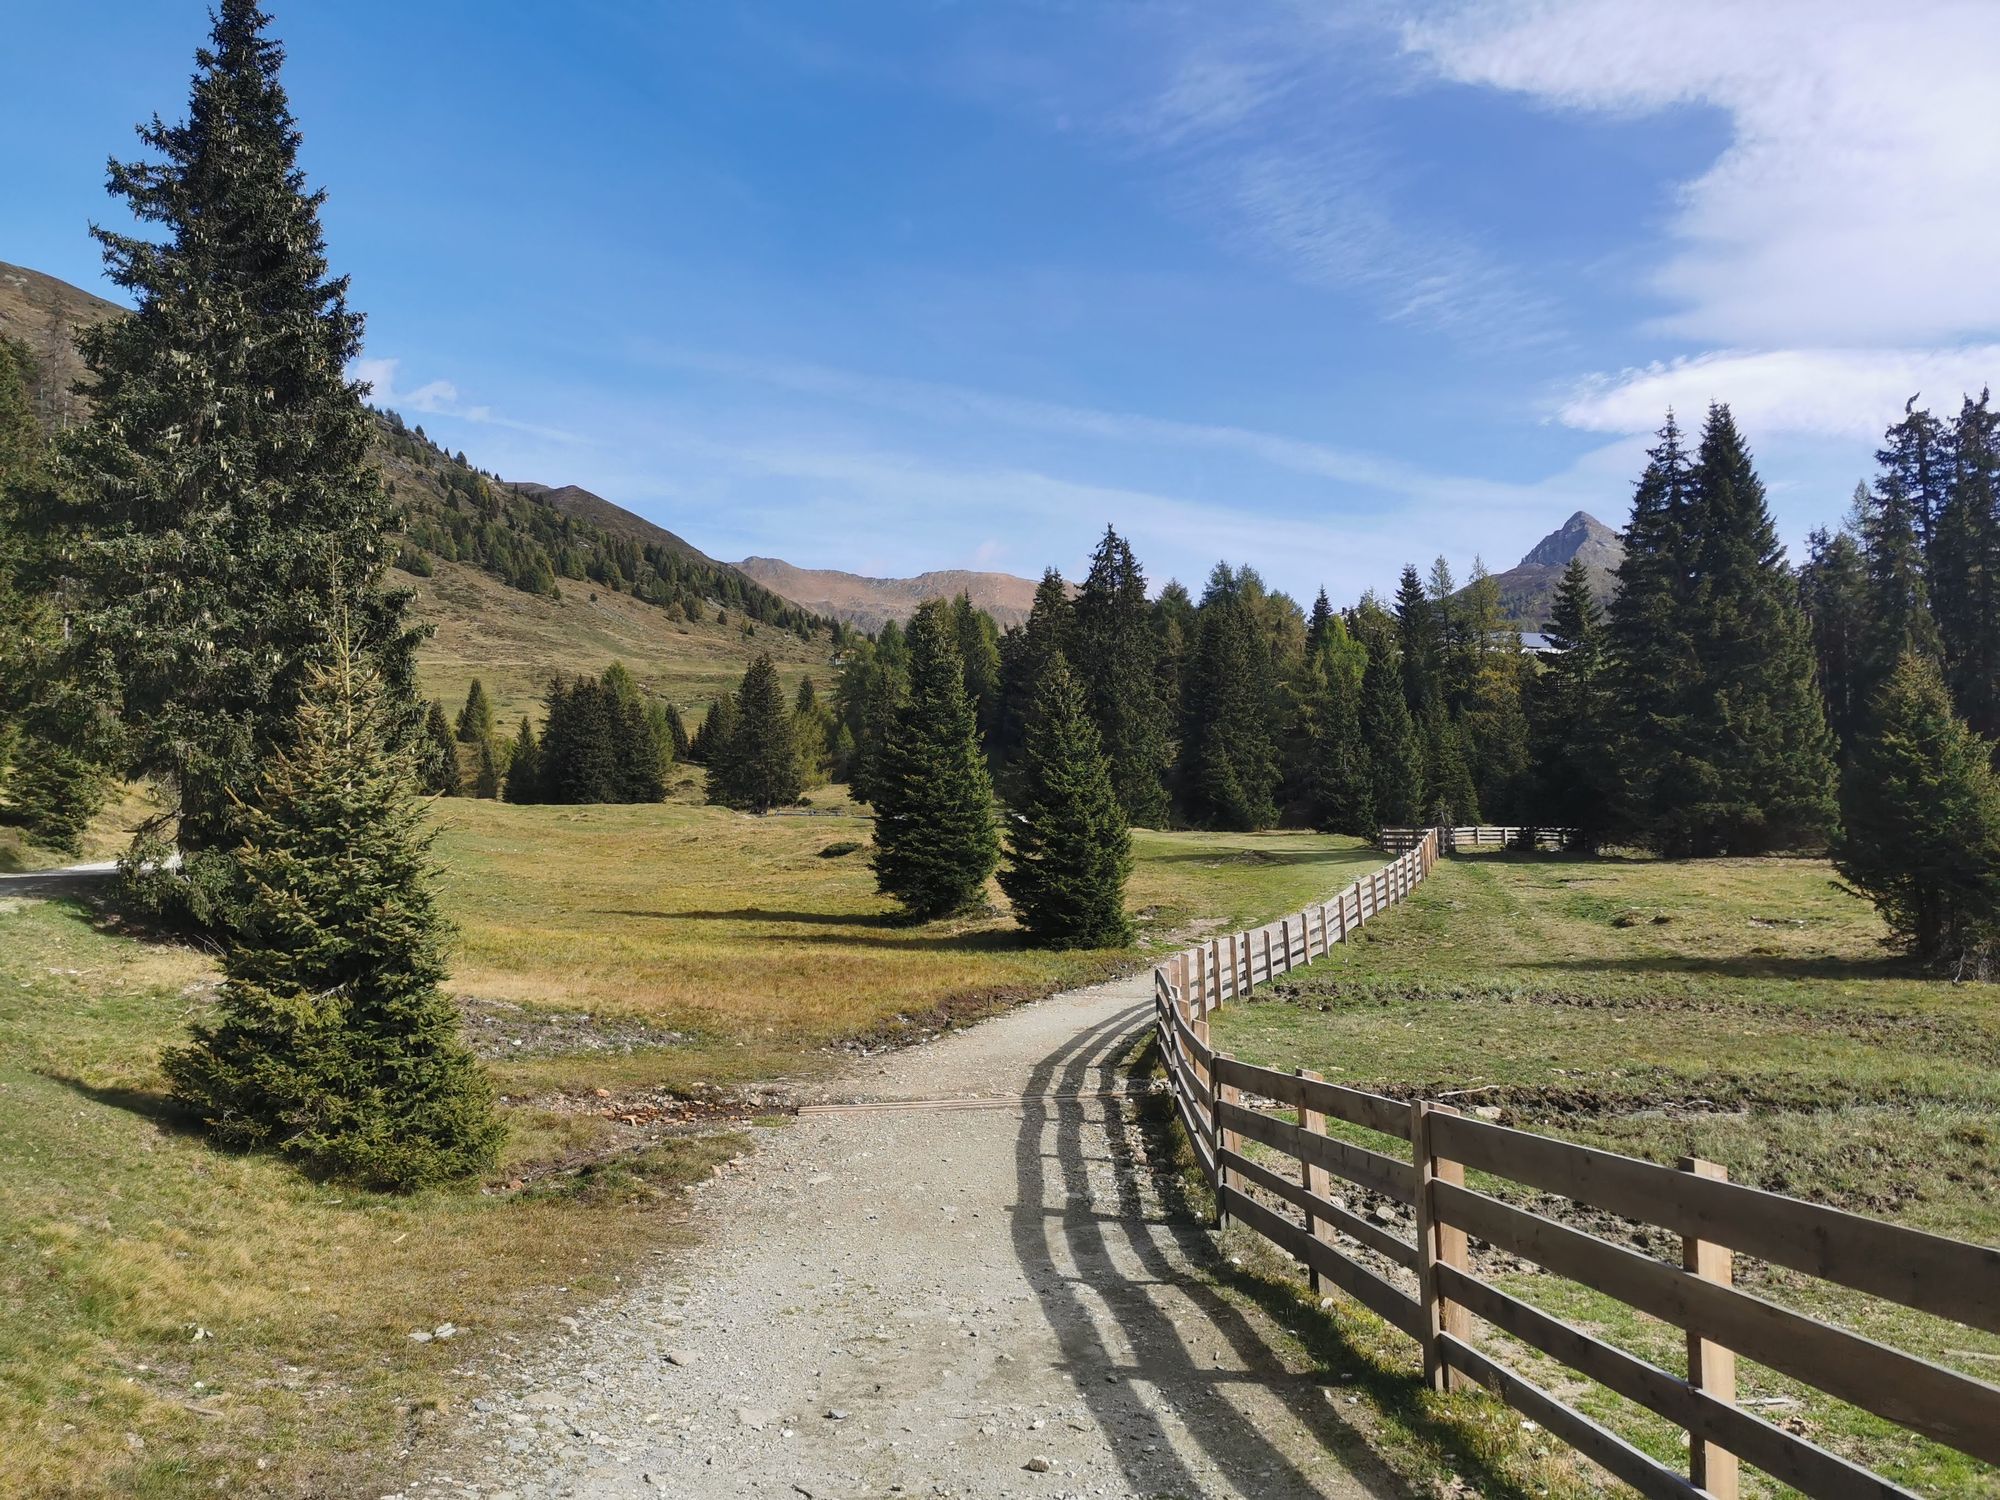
(973, 1302)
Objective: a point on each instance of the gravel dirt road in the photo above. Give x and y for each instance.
(984, 1298)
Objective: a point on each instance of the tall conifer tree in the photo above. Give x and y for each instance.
(1116, 661)
(758, 767)
(441, 769)
(226, 452)
(935, 839)
(475, 719)
(1965, 567)
(1570, 716)
(1833, 586)
(1069, 851)
(1229, 767)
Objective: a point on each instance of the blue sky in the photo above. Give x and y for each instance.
(891, 286)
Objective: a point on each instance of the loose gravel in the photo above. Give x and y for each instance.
(980, 1301)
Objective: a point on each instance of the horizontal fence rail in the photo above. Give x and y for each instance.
(1488, 836)
(1430, 1290)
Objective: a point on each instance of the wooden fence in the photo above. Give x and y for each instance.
(1439, 1293)
(1486, 836)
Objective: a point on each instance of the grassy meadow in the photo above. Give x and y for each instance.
(179, 1321)
(1745, 1011)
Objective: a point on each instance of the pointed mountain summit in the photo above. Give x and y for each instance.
(1527, 590)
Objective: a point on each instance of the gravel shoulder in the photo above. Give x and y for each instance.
(981, 1300)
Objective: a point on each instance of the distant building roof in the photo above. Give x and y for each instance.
(1534, 642)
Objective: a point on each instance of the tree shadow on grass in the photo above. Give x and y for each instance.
(161, 1109)
(1359, 858)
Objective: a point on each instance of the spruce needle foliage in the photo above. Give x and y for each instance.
(334, 1044)
(1921, 806)
(1069, 850)
(224, 512)
(934, 836)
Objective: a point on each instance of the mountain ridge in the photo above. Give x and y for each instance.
(869, 603)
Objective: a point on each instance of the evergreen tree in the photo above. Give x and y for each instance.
(640, 751)
(442, 776)
(758, 766)
(1229, 769)
(1833, 586)
(1024, 652)
(1332, 771)
(1419, 643)
(1891, 522)
(813, 730)
(1965, 566)
(934, 835)
(979, 645)
(487, 782)
(1115, 660)
(873, 682)
(1754, 744)
(524, 769)
(1449, 798)
(56, 731)
(1395, 754)
(1921, 807)
(1069, 851)
(579, 750)
(334, 1043)
(677, 734)
(1570, 717)
(475, 720)
(226, 450)
(1649, 640)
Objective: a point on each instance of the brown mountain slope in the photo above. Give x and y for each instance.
(514, 640)
(868, 602)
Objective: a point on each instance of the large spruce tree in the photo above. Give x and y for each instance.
(1570, 717)
(1965, 563)
(1229, 765)
(1069, 851)
(475, 719)
(1024, 652)
(1395, 754)
(1753, 744)
(935, 841)
(1650, 641)
(758, 767)
(1331, 772)
(333, 1042)
(443, 775)
(1921, 809)
(1115, 656)
(1833, 586)
(225, 511)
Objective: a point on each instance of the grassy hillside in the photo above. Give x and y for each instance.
(182, 1322)
(514, 641)
(1745, 1011)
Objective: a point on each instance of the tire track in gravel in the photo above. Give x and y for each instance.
(1020, 1317)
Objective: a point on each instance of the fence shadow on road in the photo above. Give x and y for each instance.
(1057, 1219)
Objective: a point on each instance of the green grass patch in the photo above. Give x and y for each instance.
(1746, 1011)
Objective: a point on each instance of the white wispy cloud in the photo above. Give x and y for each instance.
(936, 401)
(438, 398)
(1835, 393)
(1859, 199)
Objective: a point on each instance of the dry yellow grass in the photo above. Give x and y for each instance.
(513, 641)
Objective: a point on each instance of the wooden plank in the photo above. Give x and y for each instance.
(1952, 1278)
(1326, 1212)
(1711, 1366)
(1786, 1457)
(1439, 1243)
(1375, 1111)
(1955, 1409)
(1394, 1306)
(1383, 1174)
(1314, 1182)
(1595, 1442)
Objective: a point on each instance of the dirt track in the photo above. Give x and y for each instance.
(1021, 1298)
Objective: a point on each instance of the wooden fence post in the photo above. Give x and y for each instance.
(1224, 1140)
(1437, 1244)
(1711, 1368)
(1317, 1180)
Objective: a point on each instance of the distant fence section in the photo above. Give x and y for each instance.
(1485, 836)
(1419, 1277)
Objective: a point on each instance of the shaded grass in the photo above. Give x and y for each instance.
(1743, 1011)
